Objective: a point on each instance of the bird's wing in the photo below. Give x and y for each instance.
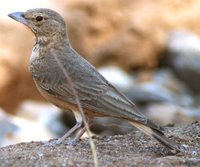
(109, 101)
(94, 91)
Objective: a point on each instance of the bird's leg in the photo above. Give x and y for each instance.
(80, 132)
(78, 125)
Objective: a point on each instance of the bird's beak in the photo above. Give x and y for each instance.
(18, 16)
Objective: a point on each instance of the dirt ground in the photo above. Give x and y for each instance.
(134, 149)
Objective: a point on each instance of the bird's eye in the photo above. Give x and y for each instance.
(39, 18)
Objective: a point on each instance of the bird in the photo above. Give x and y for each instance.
(54, 61)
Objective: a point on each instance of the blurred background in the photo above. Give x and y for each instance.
(149, 50)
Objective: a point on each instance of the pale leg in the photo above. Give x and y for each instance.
(80, 132)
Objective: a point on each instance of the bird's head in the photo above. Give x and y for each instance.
(43, 22)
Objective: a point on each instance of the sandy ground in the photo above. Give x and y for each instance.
(134, 149)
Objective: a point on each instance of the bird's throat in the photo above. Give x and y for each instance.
(42, 40)
(52, 40)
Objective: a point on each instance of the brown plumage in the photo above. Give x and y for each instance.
(96, 95)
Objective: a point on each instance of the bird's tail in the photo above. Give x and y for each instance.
(158, 135)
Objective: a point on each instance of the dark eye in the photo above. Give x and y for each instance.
(39, 18)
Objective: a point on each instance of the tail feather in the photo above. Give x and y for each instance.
(158, 135)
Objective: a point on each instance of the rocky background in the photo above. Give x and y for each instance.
(149, 50)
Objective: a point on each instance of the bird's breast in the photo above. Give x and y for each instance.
(34, 56)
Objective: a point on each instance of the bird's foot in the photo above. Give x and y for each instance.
(54, 142)
(72, 142)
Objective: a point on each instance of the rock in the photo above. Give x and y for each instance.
(117, 76)
(134, 149)
(183, 49)
(165, 113)
(127, 33)
(7, 129)
(44, 114)
(15, 129)
(149, 93)
(159, 86)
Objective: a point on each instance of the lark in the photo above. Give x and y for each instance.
(53, 57)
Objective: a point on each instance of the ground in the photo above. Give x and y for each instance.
(134, 149)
